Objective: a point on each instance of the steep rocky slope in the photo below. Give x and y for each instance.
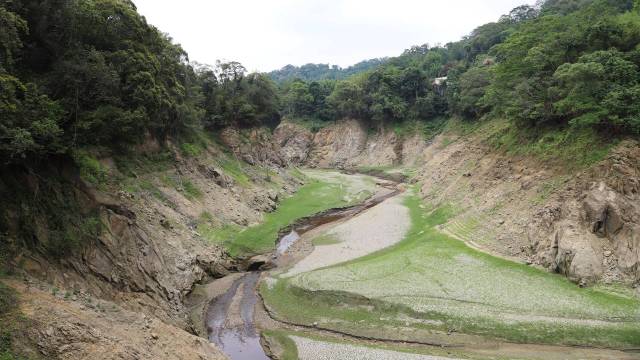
(144, 253)
(346, 144)
(152, 246)
(581, 223)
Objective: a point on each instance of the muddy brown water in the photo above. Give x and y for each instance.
(242, 341)
(237, 342)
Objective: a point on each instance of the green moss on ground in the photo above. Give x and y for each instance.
(325, 240)
(234, 168)
(440, 283)
(288, 346)
(11, 323)
(313, 197)
(290, 351)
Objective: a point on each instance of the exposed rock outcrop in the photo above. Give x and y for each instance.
(140, 251)
(79, 327)
(255, 146)
(295, 142)
(583, 224)
(346, 144)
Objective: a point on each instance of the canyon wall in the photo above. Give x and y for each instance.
(581, 223)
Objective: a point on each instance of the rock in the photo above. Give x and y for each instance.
(260, 262)
(217, 175)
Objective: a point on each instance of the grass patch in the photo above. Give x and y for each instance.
(234, 168)
(296, 173)
(90, 168)
(548, 188)
(323, 190)
(11, 322)
(571, 147)
(184, 186)
(191, 149)
(218, 235)
(441, 284)
(428, 129)
(288, 346)
(310, 123)
(325, 240)
(399, 174)
(311, 198)
(135, 164)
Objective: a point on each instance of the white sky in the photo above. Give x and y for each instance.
(267, 34)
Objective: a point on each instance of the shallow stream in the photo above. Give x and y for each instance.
(230, 318)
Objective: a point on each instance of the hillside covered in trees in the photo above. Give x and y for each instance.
(564, 63)
(95, 73)
(314, 72)
(135, 180)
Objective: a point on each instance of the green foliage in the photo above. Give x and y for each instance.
(571, 147)
(191, 150)
(30, 120)
(77, 74)
(45, 214)
(313, 197)
(562, 63)
(574, 65)
(90, 168)
(427, 129)
(312, 124)
(233, 98)
(307, 100)
(318, 72)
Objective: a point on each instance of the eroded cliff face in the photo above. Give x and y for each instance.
(147, 255)
(346, 144)
(583, 224)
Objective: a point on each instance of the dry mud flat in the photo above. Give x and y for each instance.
(430, 287)
(375, 229)
(318, 350)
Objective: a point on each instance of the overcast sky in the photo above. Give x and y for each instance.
(267, 34)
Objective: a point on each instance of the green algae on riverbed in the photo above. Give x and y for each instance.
(430, 281)
(324, 190)
(289, 350)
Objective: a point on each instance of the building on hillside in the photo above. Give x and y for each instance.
(439, 85)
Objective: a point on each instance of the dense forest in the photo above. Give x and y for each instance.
(77, 73)
(315, 72)
(94, 73)
(562, 63)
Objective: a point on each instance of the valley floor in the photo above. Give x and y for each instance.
(425, 287)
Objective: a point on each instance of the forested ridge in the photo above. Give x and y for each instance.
(77, 74)
(314, 72)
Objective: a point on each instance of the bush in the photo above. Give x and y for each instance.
(90, 168)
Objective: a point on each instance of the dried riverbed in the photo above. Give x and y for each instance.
(236, 317)
(230, 318)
